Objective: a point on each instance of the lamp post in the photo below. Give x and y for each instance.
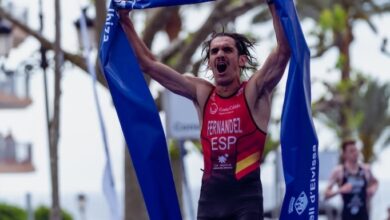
(82, 201)
(90, 22)
(5, 37)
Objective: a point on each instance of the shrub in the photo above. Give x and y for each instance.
(10, 212)
(43, 213)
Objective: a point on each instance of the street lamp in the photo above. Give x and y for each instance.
(90, 23)
(82, 201)
(5, 37)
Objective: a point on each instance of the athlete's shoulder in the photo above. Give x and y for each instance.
(366, 169)
(203, 90)
(365, 166)
(202, 85)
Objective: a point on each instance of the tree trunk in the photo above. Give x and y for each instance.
(177, 167)
(55, 122)
(158, 19)
(344, 39)
(367, 149)
(100, 19)
(100, 7)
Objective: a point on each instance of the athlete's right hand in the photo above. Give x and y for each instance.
(123, 4)
(122, 8)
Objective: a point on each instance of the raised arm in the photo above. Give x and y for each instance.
(269, 75)
(263, 81)
(166, 76)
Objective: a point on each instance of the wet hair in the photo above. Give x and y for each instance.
(346, 143)
(244, 46)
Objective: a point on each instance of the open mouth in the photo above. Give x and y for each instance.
(221, 67)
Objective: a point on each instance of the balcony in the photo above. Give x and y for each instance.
(14, 89)
(15, 157)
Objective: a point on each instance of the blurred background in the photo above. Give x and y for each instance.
(51, 148)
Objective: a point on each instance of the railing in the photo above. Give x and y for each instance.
(15, 157)
(14, 88)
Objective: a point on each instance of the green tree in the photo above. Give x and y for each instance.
(373, 101)
(368, 113)
(335, 22)
(332, 108)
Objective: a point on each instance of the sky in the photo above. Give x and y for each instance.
(81, 154)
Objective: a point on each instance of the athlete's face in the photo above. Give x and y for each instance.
(351, 153)
(224, 60)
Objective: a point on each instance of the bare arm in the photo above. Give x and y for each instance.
(261, 84)
(335, 179)
(329, 192)
(166, 76)
(272, 70)
(372, 182)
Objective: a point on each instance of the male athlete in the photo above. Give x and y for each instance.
(234, 116)
(356, 184)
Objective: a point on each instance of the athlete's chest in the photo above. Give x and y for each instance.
(227, 116)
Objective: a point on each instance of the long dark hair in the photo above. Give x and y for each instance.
(244, 46)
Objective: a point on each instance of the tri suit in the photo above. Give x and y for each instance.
(232, 146)
(355, 202)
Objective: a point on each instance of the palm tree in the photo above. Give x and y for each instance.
(331, 108)
(368, 115)
(373, 101)
(336, 19)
